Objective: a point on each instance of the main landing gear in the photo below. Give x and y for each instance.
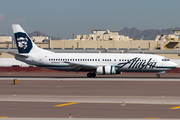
(158, 75)
(91, 75)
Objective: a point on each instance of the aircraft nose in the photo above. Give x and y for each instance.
(174, 65)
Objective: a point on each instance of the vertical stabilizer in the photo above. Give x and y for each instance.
(23, 41)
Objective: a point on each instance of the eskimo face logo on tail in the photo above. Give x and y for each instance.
(22, 42)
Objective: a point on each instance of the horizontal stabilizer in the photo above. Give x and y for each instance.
(18, 55)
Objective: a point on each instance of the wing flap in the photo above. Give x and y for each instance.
(79, 66)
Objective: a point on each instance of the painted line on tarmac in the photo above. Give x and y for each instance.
(178, 107)
(91, 79)
(151, 118)
(3, 117)
(60, 105)
(9, 73)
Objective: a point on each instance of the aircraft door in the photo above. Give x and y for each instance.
(154, 60)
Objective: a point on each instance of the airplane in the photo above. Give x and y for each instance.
(94, 63)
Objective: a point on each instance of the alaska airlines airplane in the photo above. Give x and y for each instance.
(95, 63)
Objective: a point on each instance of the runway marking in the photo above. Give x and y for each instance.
(66, 104)
(151, 118)
(175, 107)
(3, 117)
(9, 73)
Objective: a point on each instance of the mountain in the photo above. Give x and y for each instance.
(147, 34)
(3, 35)
(150, 34)
(130, 32)
(37, 33)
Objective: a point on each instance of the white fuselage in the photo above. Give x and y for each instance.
(122, 61)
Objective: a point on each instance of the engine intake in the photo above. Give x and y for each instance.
(106, 70)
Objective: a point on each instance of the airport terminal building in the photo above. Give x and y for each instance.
(103, 41)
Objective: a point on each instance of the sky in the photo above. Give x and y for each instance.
(65, 17)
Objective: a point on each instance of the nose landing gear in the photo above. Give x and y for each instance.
(158, 75)
(91, 75)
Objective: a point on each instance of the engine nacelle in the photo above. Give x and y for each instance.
(106, 70)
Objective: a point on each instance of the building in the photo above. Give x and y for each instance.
(103, 35)
(5, 38)
(40, 38)
(110, 41)
(169, 42)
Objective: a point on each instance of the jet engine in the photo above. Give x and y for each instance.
(107, 70)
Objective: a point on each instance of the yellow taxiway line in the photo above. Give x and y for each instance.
(3, 117)
(66, 104)
(9, 73)
(175, 107)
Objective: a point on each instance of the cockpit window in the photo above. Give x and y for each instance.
(165, 59)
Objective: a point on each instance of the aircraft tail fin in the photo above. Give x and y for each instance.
(24, 43)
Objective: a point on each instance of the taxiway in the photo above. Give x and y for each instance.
(89, 98)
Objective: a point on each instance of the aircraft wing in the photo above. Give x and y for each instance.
(18, 55)
(78, 66)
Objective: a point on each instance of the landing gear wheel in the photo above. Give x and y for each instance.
(91, 75)
(158, 75)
